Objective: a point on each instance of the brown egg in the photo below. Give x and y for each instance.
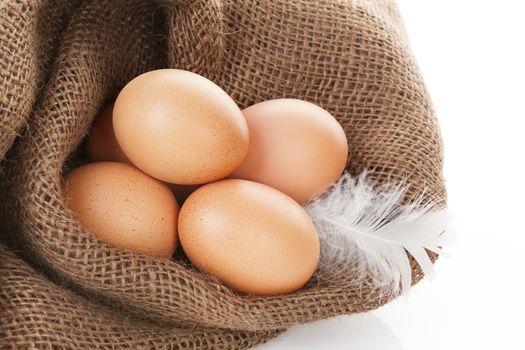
(295, 147)
(101, 144)
(124, 207)
(180, 127)
(251, 237)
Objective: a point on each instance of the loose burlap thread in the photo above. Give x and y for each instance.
(62, 61)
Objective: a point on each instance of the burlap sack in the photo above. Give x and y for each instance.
(38, 314)
(62, 61)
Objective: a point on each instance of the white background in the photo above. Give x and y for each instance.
(472, 57)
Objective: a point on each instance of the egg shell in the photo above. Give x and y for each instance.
(124, 207)
(295, 146)
(101, 144)
(180, 127)
(251, 237)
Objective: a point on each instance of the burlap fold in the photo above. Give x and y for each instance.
(38, 314)
(62, 61)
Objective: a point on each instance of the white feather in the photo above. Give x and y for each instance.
(367, 225)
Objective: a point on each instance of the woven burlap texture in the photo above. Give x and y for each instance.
(38, 314)
(62, 61)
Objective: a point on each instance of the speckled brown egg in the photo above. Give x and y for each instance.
(250, 236)
(180, 127)
(101, 144)
(295, 146)
(124, 207)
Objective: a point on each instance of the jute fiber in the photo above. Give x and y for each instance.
(61, 62)
(37, 313)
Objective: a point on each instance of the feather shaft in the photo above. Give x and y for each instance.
(372, 228)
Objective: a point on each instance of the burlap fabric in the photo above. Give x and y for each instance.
(62, 61)
(38, 314)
